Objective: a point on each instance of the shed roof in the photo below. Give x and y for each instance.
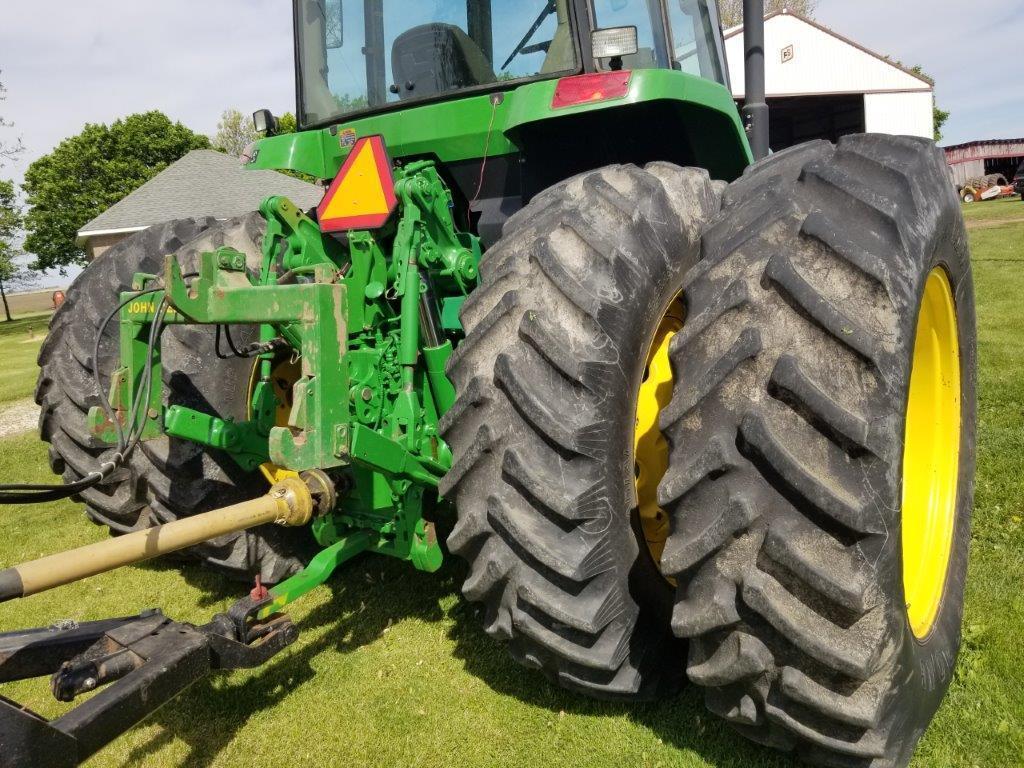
(202, 183)
(804, 58)
(985, 149)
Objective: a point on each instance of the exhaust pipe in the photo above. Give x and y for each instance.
(289, 502)
(755, 108)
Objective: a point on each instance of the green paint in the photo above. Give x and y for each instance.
(369, 397)
(135, 319)
(458, 129)
(312, 313)
(245, 441)
(435, 359)
(300, 237)
(317, 572)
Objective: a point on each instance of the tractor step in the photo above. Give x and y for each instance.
(138, 664)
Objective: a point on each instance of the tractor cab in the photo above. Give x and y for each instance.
(509, 97)
(364, 55)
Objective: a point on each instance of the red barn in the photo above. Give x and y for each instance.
(980, 158)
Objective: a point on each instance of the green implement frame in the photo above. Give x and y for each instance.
(365, 324)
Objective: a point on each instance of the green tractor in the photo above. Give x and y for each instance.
(687, 409)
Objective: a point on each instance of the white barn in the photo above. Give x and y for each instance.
(822, 85)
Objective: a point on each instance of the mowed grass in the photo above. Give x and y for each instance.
(1007, 208)
(392, 669)
(20, 340)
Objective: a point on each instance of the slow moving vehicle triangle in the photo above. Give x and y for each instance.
(362, 195)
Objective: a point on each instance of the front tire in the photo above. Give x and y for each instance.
(791, 439)
(543, 429)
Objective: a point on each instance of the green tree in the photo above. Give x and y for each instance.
(86, 174)
(939, 116)
(287, 123)
(12, 274)
(235, 132)
(731, 11)
(7, 149)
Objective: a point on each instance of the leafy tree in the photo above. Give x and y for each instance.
(88, 173)
(7, 150)
(12, 274)
(731, 11)
(939, 116)
(235, 132)
(349, 103)
(287, 123)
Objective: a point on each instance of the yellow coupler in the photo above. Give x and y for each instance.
(289, 502)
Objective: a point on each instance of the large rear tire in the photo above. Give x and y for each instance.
(165, 479)
(543, 429)
(794, 532)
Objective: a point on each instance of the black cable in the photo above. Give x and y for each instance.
(231, 344)
(104, 402)
(26, 493)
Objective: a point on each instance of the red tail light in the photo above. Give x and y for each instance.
(585, 89)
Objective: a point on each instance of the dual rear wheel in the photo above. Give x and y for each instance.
(723, 433)
(741, 418)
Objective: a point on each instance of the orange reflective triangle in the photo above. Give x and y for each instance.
(362, 195)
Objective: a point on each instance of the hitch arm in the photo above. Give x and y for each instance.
(144, 662)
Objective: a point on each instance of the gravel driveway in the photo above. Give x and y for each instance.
(19, 416)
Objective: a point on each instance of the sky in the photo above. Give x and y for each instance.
(95, 61)
(971, 49)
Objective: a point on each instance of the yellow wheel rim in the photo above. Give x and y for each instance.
(931, 454)
(650, 451)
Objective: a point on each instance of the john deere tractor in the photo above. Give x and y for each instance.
(686, 408)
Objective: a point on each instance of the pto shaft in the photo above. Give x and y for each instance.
(289, 502)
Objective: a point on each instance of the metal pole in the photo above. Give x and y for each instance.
(755, 109)
(376, 67)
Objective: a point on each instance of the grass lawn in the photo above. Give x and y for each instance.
(392, 669)
(994, 210)
(21, 339)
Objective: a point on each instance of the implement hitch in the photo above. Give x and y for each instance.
(137, 664)
(350, 438)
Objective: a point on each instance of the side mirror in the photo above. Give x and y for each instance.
(263, 121)
(334, 24)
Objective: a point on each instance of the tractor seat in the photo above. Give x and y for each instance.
(436, 58)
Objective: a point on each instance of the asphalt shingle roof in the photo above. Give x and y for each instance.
(202, 183)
